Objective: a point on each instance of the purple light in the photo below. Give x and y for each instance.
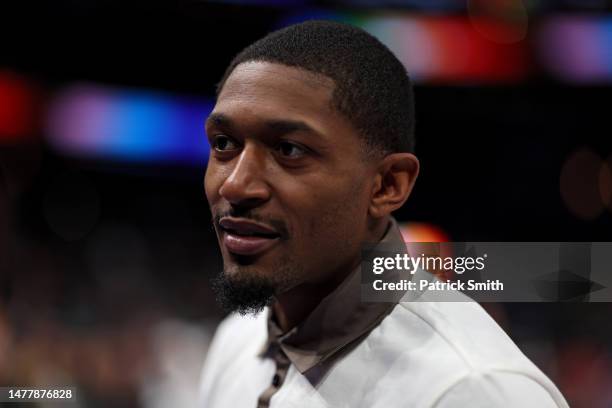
(98, 122)
(577, 49)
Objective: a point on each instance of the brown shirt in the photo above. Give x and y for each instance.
(331, 329)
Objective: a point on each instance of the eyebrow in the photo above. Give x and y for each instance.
(218, 119)
(281, 126)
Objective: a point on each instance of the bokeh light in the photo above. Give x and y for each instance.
(579, 183)
(500, 21)
(423, 232)
(576, 49)
(106, 123)
(20, 104)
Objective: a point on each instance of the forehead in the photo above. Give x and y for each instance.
(271, 90)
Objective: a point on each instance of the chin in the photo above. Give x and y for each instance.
(249, 272)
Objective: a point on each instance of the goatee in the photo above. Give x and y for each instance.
(245, 295)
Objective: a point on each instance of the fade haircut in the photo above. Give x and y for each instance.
(372, 88)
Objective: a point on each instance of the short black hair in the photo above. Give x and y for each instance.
(372, 87)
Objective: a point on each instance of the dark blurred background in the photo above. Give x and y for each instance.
(106, 245)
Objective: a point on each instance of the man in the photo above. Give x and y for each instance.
(311, 151)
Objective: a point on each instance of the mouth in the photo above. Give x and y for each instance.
(244, 237)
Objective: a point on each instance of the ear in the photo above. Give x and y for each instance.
(394, 180)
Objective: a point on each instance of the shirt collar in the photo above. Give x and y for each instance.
(341, 318)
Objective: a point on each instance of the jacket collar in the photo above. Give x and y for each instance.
(340, 319)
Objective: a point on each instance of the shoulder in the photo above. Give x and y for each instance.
(465, 330)
(460, 354)
(493, 388)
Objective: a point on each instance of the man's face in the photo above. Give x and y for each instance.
(287, 180)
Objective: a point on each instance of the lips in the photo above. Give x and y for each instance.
(243, 237)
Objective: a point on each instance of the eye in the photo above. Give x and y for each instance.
(291, 150)
(222, 143)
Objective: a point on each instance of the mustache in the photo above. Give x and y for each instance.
(277, 224)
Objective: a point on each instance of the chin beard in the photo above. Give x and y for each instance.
(247, 289)
(245, 295)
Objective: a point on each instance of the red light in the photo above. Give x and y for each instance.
(423, 232)
(19, 107)
(469, 55)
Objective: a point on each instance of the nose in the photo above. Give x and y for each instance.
(246, 186)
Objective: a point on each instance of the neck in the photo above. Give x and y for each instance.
(292, 307)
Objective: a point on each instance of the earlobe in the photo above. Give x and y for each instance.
(394, 182)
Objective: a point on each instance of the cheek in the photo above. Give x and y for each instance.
(214, 177)
(336, 215)
(212, 182)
